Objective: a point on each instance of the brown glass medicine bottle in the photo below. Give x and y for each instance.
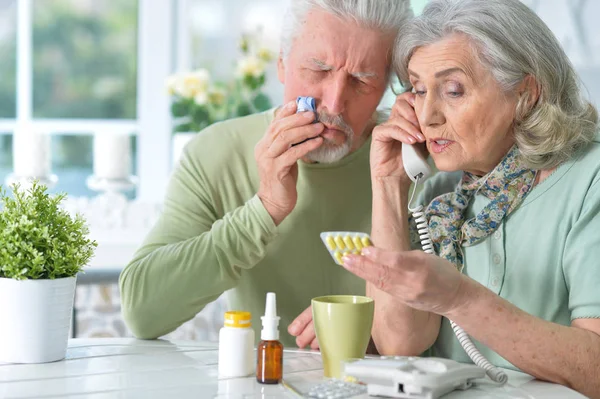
(269, 364)
(269, 352)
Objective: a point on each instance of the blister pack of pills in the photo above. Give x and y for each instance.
(337, 389)
(340, 243)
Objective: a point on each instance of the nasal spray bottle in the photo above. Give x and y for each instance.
(269, 353)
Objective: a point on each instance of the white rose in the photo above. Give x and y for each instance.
(182, 89)
(265, 54)
(250, 66)
(191, 84)
(201, 98)
(202, 75)
(217, 96)
(199, 80)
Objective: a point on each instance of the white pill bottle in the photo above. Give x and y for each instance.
(236, 345)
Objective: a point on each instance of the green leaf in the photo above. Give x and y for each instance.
(243, 109)
(261, 102)
(251, 82)
(40, 240)
(184, 127)
(200, 115)
(180, 108)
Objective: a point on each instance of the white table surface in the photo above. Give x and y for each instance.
(130, 368)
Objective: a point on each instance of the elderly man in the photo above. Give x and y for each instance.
(244, 209)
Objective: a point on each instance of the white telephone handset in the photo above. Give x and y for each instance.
(418, 170)
(415, 165)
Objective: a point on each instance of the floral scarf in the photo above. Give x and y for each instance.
(506, 186)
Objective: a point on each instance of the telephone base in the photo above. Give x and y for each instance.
(413, 377)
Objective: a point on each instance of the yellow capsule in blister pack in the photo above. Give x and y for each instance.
(348, 242)
(338, 256)
(357, 243)
(339, 242)
(342, 243)
(366, 241)
(330, 243)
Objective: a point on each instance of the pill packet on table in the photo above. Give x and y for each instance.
(337, 389)
(340, 243)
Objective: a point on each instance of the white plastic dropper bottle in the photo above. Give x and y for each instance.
(269, 353)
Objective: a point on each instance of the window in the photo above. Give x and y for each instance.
(8, 49)
(6, 158)
(575, 25)
(73, 163)
(216, 27)
(71, 71)
(80, 57)
(84, 59)
(87, 71)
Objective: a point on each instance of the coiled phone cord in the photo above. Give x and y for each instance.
(492, 371)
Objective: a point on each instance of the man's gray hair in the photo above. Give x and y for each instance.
(513, 42)
(383, 15)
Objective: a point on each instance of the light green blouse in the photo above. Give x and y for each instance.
(545, 257)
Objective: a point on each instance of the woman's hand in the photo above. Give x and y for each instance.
(386, 146)
(422, 281)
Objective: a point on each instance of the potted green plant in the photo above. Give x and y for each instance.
(42, 248)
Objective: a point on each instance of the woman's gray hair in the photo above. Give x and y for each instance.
(513, 42)
(383, 15)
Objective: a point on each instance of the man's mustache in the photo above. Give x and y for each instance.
(335, 121)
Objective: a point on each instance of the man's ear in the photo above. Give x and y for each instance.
(281, 68)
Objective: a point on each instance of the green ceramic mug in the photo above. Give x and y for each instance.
(343, 327)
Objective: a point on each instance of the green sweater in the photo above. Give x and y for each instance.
(215, 235)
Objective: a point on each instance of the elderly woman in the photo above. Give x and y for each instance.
(517, 230)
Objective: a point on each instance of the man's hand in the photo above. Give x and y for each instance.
(277, 159)
(303, 329)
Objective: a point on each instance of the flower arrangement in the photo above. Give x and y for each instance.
(39, 239)
(199, 101)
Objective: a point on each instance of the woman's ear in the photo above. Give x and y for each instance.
(530, 91)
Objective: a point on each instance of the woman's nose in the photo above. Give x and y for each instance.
(430, 113)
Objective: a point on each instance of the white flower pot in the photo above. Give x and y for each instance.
(35, 319)
(179, 142)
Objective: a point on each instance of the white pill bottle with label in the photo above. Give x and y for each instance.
(236, 346)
